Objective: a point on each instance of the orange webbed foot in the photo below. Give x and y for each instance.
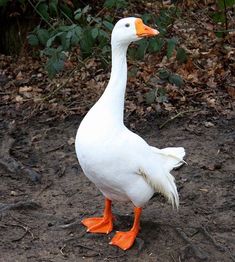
(98, 224)
(124, 240)
(103, 224)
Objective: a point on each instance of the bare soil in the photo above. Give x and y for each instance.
(44, 195)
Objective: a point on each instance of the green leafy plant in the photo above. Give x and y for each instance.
(170, 77)
(115, 4)
(155, 45)
(221, 16)
(159, 93)
(83, 29)
(3, 2)
(64, 28)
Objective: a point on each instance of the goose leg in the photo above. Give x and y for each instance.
(100, 224)
(125, 240)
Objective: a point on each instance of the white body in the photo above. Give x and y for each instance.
(120, 163)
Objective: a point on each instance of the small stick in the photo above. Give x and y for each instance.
(71, 225)
(198, 253)
(61, 250)
(54, 149)
(177, 115)
(48, 185)
(206, 233)
(19, 205)
(26, 229)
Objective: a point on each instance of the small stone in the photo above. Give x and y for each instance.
(209, 124)
(71, 141)
(13, 193)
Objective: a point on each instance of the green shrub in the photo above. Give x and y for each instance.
(92, 33)
(221, 16)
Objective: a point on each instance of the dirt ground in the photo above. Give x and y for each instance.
(44, 195)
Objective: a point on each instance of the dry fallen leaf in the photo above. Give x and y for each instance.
(203, 190)
(19, 99)
(24, 89)
(231, 91)
(19, 76)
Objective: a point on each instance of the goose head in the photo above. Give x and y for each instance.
(129, 30)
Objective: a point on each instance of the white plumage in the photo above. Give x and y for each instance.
(119, 162)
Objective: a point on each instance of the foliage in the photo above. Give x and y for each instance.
(115, 4)
(3, 2)
(168, 76)
(155, 45)
(81, 28)
(159, 94)
(67, 24)
(92, 33)
(156, 95)
(222, 14)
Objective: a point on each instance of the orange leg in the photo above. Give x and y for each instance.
(125, 240)
(100, 224)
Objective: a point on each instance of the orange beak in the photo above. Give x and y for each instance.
(143, 30)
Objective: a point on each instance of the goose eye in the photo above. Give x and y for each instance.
(127, 25)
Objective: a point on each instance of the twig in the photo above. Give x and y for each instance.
(206, 233)
(48, 185)
(90, 255)
(19, 205)
(200, 92)
(26, 229)
(198, 253)
(71, 225)
(95, 254)
(225, 15)
(172, 257)
(54, 149)
(9, 163)
(97, 15)
(61, 250)
(174, 117)
(89, 248)
(16, 167)
(60, 86)
(66, 16)
(115, 257)
(35, 9)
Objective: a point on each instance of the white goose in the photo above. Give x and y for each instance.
(119, 162)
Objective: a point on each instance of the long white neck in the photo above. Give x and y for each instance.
(114, 94)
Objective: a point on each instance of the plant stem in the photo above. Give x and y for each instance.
(174, 117)
(66, 16)
(35, 9)
(225, 15)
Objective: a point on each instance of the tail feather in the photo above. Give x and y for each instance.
(172, 156)
(159, 177)
(173, 198)
(164, 185)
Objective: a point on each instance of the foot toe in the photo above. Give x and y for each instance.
(98, 225)
(124, 240)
